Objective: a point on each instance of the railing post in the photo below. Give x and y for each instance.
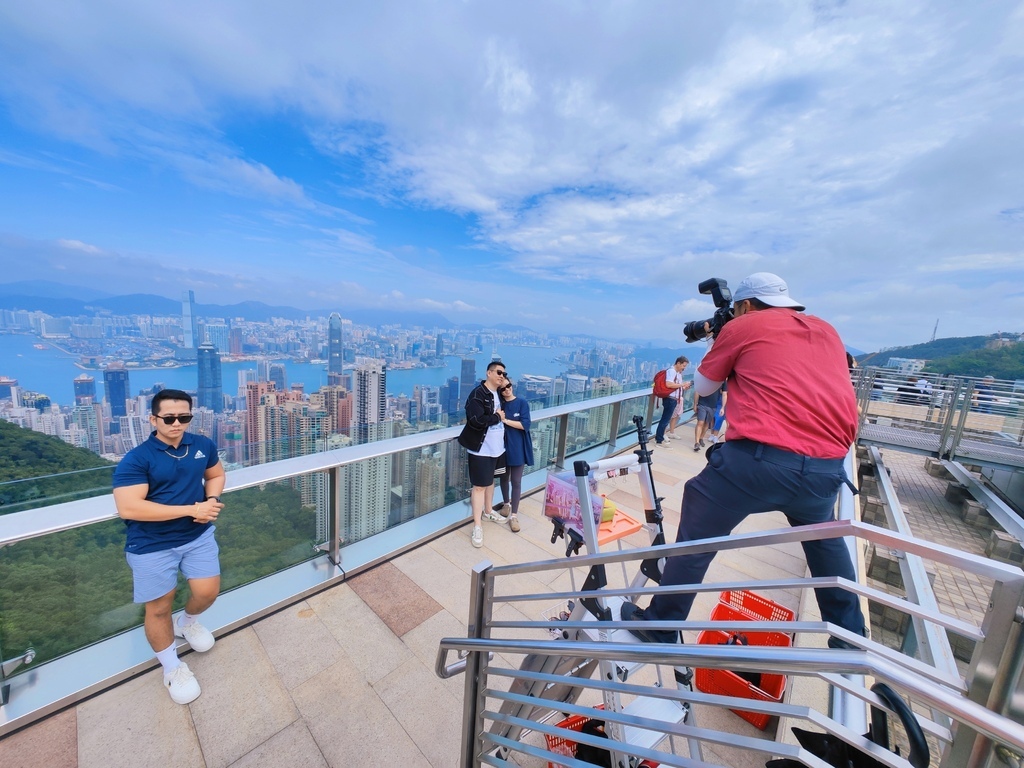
(476, 664)
(616, 415)
(563, 437)
(962, 422)
(994, 674)
(334, 514)
(650, 411)
(947, 427)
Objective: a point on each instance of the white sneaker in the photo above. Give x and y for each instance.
(198, 636)
(494, 517)
(668, 439)
(478, 536)
(182, 685)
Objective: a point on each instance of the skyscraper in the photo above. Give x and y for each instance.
(279, 375)
(211, 391)
(85, 389)
(189, 322)
(467, 380)
(366, 485)
(335, 358)
(116, 388)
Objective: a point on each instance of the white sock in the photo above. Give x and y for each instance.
(186, 619)
(168, 659)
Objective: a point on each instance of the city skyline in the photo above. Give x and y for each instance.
(571, 170)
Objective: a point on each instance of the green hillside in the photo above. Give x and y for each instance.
(37, 470)
(959, 356)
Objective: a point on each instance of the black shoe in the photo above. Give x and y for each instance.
(841, 645)
(630, 612)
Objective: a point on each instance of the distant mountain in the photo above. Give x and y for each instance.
(139, 304)
(47, 289)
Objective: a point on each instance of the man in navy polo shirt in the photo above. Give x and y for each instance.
(167, 491)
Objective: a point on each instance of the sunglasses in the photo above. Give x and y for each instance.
(168, 420)
(501, 373)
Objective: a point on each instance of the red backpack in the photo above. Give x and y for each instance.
(661, 389)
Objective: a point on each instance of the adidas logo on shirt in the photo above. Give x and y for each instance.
(200, 455)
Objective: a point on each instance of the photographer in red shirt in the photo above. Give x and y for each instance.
(792, 418)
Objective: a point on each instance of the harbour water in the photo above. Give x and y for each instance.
(51, 371)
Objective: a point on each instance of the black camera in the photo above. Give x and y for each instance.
(719, 291)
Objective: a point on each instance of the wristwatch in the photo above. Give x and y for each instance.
(215, 498)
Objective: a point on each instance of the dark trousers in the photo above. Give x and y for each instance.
(743, 478)
(668, 407)
(512, 497)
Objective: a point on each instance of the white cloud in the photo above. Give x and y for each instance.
(870, 154)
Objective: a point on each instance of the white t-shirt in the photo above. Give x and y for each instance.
(672, 376)
(494, 439)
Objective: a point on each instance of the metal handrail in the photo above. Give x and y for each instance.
(975, 703)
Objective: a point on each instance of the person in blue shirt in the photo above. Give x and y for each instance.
(518, 453)
(167, 490)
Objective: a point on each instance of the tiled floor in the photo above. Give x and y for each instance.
(346, 677)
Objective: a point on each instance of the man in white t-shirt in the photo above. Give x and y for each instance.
(483, 437)
(669, 405)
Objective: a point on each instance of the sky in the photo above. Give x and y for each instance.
(569, 166)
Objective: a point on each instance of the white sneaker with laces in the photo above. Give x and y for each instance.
(198, 636)
(478, 536)
(182, 685)
(495, 517)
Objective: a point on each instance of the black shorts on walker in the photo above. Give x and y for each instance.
(482, 469)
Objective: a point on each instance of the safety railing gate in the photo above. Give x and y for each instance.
(530, 684)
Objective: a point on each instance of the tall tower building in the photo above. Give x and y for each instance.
(366, 485)
(85, 389)
(211, 390)
(116, 388)
(467, 380)
(335, 357)
(189, 321)
(279, 375)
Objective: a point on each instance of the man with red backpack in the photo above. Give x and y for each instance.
(669, 386)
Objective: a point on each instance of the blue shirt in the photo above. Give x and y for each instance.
(175, 477)
(518, 445)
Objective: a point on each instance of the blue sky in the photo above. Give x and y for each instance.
(571, 166)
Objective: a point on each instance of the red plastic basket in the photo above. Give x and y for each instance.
(567, 747)
(745, 606)
(755, 607)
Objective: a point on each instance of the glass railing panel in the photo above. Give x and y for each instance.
(630, 408)
(546, 435)
(67, 590)
(270, 527)
(380, 493)
(45, 490)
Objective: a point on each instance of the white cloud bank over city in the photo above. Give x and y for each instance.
(496, 160)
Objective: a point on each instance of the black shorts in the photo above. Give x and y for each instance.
(482, 469)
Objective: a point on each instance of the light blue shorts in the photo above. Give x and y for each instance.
(156, 573)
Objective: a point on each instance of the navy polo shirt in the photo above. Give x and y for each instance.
(174, 477)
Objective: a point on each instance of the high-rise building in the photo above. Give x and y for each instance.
(366, 485)
(335, 356)
(117, 390)
(211, 390)
(429, 481)
(255, 447)
(84, 417)
(219, 335)
(6, 385)
(279, 376)
(189, 321)
(85, 389)
(439, 346)
(467, 380)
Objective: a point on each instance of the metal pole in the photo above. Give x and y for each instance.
(563, 436)
(613, 438)
(962, 423)
(947, 427)
(476, 665)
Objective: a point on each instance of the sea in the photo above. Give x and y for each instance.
(50, 371)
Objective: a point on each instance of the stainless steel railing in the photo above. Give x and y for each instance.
(966, 717)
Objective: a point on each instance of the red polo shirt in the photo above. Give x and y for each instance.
(789, 386)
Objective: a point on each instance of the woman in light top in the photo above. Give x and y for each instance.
(518, 453)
